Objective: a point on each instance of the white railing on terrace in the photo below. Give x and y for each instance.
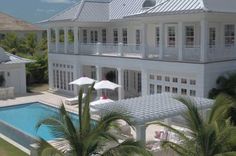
(221, 53)
(191, 53)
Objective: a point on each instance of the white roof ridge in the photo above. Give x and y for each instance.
(203, 5)
(82, 2)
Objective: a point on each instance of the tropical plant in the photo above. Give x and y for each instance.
(226, 84)
(11, 43)
(209, 136)
(30, 44)
(84, 138)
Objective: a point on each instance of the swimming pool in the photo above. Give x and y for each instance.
(25, 117)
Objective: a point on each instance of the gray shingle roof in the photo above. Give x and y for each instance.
(107, 10)
(7, 58)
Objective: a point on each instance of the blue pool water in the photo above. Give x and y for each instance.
(25, 117)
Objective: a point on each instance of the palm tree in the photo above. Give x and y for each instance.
(226, 84)
(210, 136)
(85, 138)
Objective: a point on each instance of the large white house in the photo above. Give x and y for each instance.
(152, 46)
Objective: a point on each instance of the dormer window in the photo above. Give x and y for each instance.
(149, 3)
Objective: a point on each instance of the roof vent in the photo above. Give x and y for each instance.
(149, 3)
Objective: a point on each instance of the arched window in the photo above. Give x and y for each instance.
(149, 3)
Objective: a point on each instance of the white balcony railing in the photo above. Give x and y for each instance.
(192, 54)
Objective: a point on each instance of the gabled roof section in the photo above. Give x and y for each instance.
(107, 10)
(9, 23)
(7, 58)
(174, 7)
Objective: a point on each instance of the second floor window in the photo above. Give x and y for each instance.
(85, 38)
(212, 37)
(125, 36)
(189, 36)
(157, 36)
(138, 37)
(115, 36)
(229, 33)
(104, 35)
(171, 36)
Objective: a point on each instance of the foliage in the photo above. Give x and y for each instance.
(85, 138)
(210, 136)
(29, 47)
(226, 84)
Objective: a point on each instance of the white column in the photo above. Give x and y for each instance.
(144, 41)
(144, 83)
(99, 78)
(98, 48)
(49, 38)
(76, 40)
(140, 133)
(120, 49)
(204, 40)
(121, 83)
(77, 74)
(65, 39)
(180, 41)
(57, 36)
(161, 28)
(50, 75)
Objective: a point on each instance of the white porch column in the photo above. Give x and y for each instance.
(204, 40)
(144, 83)
(144, 40)
(121, 83)
(77, 74)
(65, 39)
(140, 133)
(50, 75)
(99, 78)
(76, 40)
(57, 36)
(161, 29)
(49, 38)
(180, 41)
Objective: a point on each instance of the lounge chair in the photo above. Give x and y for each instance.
(73, 101)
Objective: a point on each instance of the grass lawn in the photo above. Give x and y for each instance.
(7, 149)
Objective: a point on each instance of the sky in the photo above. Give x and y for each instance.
(34, 10)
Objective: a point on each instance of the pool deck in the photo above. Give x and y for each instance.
(56, 99)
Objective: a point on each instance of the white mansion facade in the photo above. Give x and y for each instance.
(151, 46)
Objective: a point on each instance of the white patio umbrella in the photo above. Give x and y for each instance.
(105, 84)
(82, 81)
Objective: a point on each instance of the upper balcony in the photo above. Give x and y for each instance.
(198, 42)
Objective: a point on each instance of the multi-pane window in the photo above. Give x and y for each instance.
(192, 82)
(104, 35)
(174, 90)
(167, 79)
(159, 89)
(124, 36)
(152, 77)
(167, 89)
(57, 78)
(184, 91)
(171, 36)
(115, 36)
(85, 37)
(138, 37)
(175, 79)
(68, 78)
(157, 36)
(192, 93)
(184, 81)
(159, 77)
(94, 36)
(189, 36)
(212, 37)
(139, 82)
(152, 89)
(229, 33)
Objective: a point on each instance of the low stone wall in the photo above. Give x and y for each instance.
(17, 135)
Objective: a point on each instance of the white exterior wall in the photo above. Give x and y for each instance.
(15, 76)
